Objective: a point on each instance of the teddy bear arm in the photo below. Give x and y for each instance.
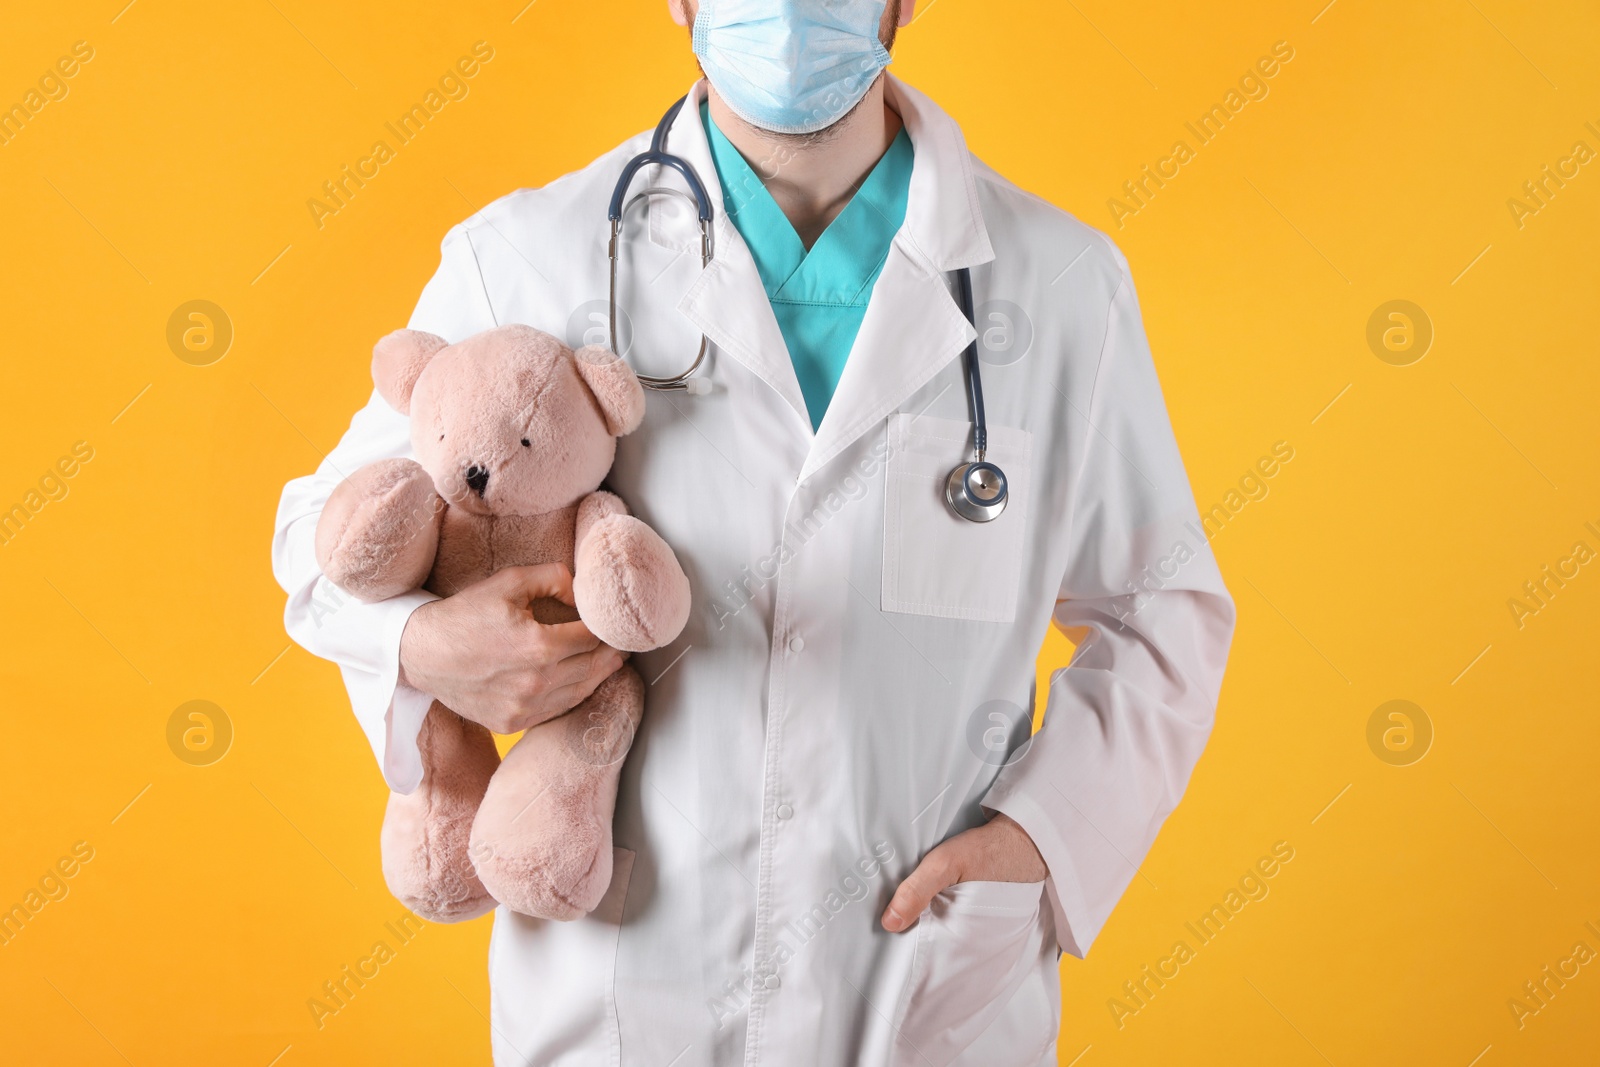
(591, 509)
(630, 590)
(379, 531)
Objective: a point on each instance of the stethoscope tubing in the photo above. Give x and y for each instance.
(975, 491)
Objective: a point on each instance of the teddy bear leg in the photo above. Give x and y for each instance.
(542, 839)
(426, 834)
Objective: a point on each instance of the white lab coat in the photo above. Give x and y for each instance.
(852, 682)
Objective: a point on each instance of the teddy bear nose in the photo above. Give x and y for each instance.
(477, 478)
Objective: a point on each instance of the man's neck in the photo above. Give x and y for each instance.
(812, 177)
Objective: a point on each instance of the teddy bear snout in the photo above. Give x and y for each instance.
(478, 479)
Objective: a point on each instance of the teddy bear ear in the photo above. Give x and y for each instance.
(614, 385)
(398, 361)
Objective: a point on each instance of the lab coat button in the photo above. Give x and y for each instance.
(773, 981)
(797, 644)
(785, 811)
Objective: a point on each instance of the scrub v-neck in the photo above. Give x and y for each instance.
(818, 297)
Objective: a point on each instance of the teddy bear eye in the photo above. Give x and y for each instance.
(525, 443)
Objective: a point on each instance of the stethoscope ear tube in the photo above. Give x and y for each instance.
(980, 425)
(978, 490)
(658, 155)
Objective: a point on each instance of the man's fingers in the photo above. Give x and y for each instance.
(545, 579)
(584, 669)
(938, 871)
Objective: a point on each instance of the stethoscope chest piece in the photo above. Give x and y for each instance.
(976, 491)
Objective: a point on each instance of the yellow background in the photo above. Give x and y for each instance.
(1378, 567)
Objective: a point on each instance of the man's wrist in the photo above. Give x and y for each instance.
(413, 643)
(1021, 851)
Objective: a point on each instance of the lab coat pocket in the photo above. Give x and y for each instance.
(976, 944)
(553, 994)
(935, 562)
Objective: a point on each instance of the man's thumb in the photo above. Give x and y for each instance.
(936, 873)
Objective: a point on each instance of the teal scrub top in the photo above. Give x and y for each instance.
(819, 297)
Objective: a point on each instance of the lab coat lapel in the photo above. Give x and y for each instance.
(728, 304)
(913, 326)
(912, 329)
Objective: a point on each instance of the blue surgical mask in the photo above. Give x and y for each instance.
(790, 66)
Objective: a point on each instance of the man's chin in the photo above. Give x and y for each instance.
(831, 132)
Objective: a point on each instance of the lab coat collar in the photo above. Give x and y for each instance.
(944, 225)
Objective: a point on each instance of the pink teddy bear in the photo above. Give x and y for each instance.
(513, 433)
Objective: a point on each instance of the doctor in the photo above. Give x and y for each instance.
(836, 842)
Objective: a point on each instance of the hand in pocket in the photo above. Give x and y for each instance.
(998, 851)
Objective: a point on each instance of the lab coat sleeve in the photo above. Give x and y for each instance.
(364, 639)
(1126, 720)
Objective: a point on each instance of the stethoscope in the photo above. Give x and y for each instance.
(975, 490)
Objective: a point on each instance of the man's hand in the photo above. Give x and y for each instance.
(482, 653)
(997, 851)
